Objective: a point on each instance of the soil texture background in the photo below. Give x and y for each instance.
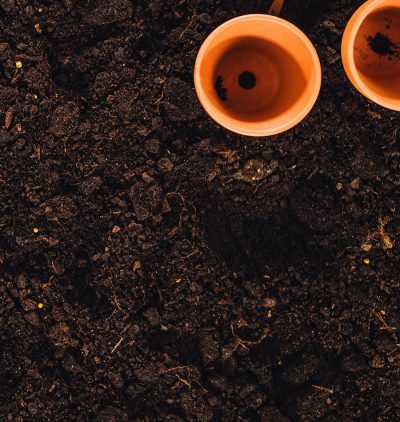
(155, 267)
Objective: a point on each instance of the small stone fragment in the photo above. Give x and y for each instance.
(60, 335)
(179, 101)
(21, 281)
(145, 199)
(7, 97)
(32, 318)
(90, 186)
(70, 365)
(147, 178)
(355, 183)
(65, 119)
(153, 317)
(164, 165)
(62, 207)
(8, 119)
(255, 170)
(270, 302)
(137, 266)
(209, 349)
(366, 247)
(125, 100)
(152, 146)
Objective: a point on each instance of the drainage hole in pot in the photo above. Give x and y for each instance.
(247, 80)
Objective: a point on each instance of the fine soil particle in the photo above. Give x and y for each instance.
(381, 44)
(156, 267)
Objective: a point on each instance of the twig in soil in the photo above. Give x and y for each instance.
(385, 325)
(246, 344)
(176, 368)
(355, 137)
(194, 252)
(394, 138)
(187, 26)
(263, 182)
(181, 380)
(276, 7)
(190, 380)
(57, 221)
(159, 99)
(117, 345)
(394, 350)
(326, 390)
(120, 340)
(117, 304)
(8, 118)
(262, 336)
(38, 152)
(385, 240)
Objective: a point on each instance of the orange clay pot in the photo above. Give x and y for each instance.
(371, 51)
(257, 75)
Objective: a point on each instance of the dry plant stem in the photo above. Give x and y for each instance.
(276, 7)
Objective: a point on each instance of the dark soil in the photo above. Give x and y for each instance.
(381, 44)
(187, 273)
(219, 88)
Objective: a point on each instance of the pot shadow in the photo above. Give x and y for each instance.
(83, 291)
(276, 242)
(303, 13)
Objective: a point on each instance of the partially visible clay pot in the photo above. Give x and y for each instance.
(371, 51)
(257, 75)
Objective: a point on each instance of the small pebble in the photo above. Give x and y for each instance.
(164, 165)
(21, 282)
(355, 184)
(153, 317)
(256, 169)
(32, 318)
(116, 229)
(270, 302)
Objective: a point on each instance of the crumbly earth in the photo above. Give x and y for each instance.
(155, 267)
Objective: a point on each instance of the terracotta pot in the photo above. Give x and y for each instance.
(371, 51)
(257, 75)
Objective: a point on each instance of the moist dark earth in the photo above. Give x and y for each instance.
(156, 267)
(381, 44)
